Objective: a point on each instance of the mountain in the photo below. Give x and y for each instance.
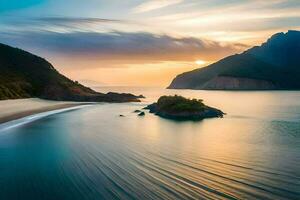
(275, 65)
(24, 75)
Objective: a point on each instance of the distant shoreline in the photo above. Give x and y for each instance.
(15, 109)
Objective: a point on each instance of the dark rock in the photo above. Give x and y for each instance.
(137, 111)
(141, 114)
(152, 108)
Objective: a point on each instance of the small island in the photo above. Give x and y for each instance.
(181, 108)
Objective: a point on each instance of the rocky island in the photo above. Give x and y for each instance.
(180, 108)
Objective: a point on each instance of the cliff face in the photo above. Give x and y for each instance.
(24, 75)
(236, 83)
(273, 65)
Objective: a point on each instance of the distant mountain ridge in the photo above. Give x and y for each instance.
(24, 75)
(275, 65)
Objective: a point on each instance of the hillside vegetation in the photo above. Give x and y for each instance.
(24, 75)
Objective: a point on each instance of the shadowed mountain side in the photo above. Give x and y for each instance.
(273, 65)
(24, 75)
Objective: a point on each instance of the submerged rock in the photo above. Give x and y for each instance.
(137, 111)
(180, 108)
(141, 114)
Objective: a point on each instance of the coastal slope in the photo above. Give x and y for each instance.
(24, 75)
(275, 65)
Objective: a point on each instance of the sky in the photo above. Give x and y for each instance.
(140, 42)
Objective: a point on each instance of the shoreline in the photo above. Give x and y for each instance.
(16, 109)
(31, 118)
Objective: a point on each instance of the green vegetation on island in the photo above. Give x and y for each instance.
(181, 108)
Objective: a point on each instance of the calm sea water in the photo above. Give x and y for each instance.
(92, 153)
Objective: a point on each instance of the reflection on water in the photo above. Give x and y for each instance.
(92, 153)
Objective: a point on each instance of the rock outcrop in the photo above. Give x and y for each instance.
(180, 108)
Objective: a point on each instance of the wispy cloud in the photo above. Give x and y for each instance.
(68, 24)
(248, 22)
(136, 46)
(76, 22)
(97, 38)
(67, 20)
(154, 5)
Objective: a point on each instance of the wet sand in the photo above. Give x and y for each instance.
(15, 109)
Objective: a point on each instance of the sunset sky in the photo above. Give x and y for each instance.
(140, 42)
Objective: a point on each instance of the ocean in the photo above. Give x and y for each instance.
(93, 153)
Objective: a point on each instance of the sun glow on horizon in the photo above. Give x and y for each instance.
(200, 62)
(140, 42)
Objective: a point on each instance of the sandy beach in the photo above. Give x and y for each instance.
(15, 109)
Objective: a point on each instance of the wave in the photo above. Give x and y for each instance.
(32, 118)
